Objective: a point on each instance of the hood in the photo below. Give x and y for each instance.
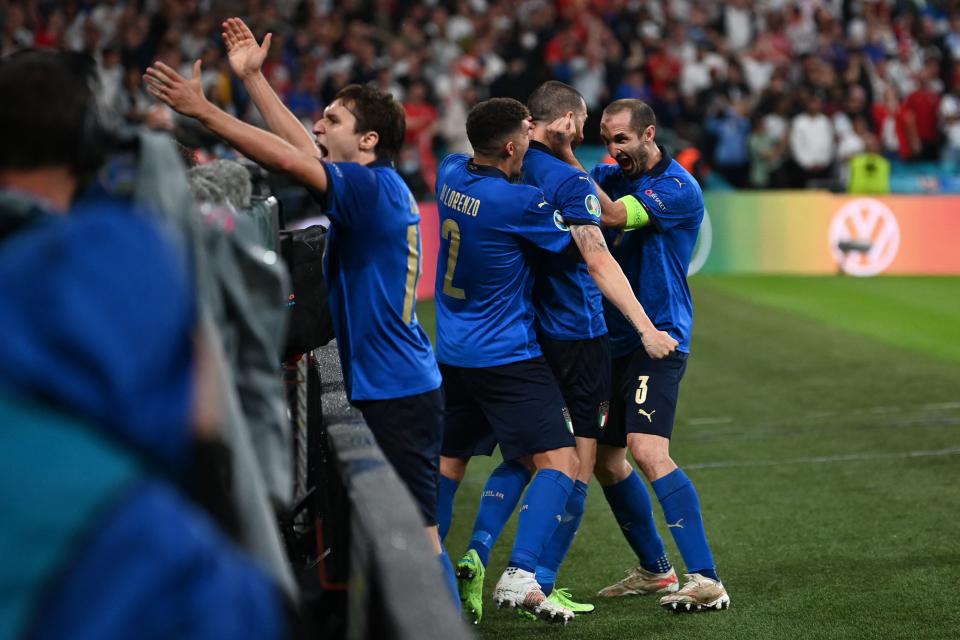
(97, 318)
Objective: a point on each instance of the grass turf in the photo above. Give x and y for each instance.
(819, 420)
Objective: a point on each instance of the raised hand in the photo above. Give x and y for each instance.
(245, 55)
(659, 344)
(562, 131)
(182, 95)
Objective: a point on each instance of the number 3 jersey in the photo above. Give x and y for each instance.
(655, 257)
(371, 269)
(490, 232)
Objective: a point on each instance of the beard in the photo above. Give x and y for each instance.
(633, 163)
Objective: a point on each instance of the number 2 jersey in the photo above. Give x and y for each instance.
(491, 231)
(656, 256)
(371, 268)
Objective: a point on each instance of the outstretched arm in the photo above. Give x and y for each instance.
(186, 97)
(613, 284)
(246, 59)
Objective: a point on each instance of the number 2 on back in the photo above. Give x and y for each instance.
(451, 232)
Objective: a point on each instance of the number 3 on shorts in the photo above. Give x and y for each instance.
(641, 396)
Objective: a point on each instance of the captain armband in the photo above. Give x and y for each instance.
(637, 215)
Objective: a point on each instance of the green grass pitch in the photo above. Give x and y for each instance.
(820, 421)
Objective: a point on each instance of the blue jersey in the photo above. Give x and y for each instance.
(566, 300)
(490, 230)
(655, 258)
(371, 269)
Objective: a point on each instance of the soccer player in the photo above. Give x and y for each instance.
(572, 334)
(498, 387)
(655, 209)
(372, 261)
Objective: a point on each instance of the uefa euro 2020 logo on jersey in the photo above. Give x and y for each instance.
(592, 203)
(558, 221)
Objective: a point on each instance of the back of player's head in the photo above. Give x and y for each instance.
(378, 112)
(491, 123)
(553, 99)
(48, 112)
(641, 115)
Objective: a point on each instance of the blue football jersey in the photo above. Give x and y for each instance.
(371, 269)
(566, 300)
(490, 231)
(655, 258)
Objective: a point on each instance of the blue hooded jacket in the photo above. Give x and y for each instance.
(96, 368)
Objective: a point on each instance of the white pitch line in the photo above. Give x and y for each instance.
(850, 457)
(701, 421)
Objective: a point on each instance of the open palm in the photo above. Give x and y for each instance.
(245, 55)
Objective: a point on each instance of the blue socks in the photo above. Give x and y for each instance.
(631, 506)
(449, 576)
(500, 496)
(558, 546)
(681, 508)
(543, 508)
(446, 491)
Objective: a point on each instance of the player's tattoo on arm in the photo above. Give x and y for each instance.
(589, 238)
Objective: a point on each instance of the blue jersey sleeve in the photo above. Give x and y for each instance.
(541, 224)
(352, 193)
(671, 203)
(577, 200)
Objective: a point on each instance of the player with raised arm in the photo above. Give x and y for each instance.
(654, 207)
(372, 260)
(572, 334)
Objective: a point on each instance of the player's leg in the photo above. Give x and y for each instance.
(582, 369)
(628, 497)
(650, 426)
(409, 431)
(466, 433)
(529, 418)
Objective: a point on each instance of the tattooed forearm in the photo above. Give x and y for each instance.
(589, 238)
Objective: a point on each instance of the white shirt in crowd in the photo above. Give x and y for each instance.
(811, 140)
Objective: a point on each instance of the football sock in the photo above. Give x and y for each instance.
(449, 576)
(681, 508)
(556, 549)
(446, 491)
(542, 510)
(631, 505)
(500, 497)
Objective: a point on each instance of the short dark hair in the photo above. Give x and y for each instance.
(492, 121)
(48, 113)
(378, 112)
(552, 99)
(641, 115)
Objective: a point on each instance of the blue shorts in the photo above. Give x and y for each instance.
(516, 405)
(409, 431)
(582, 369)
(644, 398)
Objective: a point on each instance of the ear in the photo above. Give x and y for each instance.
(509, 149)
(369, 140)
(650, 133)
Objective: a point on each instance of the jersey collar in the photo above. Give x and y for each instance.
(661, 166)
(539, 146)
(381, 162)
(485, 170)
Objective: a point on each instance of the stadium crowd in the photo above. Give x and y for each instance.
(767, 94)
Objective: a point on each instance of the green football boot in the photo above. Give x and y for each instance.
(470, 574)
(563, 598)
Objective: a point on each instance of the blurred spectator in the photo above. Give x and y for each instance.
(869, 170)
(950, 126)
(766, 154)
(921, 108)
(421, 129)
(811, 143)
(731, 155)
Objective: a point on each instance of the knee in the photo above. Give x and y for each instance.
(654, 464)
(453, 468)
(611, 467)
